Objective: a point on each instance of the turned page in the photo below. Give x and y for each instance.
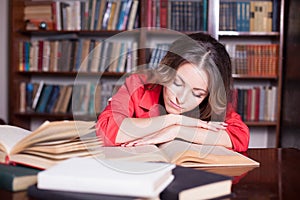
(195, 155)
(54, 131)
(9, 137)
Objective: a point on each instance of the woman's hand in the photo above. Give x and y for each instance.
(215, 126)
(193, 122)
(171, 132)
(165, 135)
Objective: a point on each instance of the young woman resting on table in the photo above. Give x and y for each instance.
(189, 96)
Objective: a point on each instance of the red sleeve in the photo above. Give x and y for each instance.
(120, 107)
(237, 131)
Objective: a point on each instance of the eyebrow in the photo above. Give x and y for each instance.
(200, 89)
(197, 89)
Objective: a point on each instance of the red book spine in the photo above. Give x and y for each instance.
(53, 7)
(40, 56)
(164, 13)
(249, 103)
(257, 103)
(149, 13)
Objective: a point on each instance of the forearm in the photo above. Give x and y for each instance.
(135, 128)
(204, 136)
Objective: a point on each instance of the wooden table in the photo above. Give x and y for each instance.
(277, 177)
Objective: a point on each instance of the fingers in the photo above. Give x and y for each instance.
(218, 125)
(213, 126)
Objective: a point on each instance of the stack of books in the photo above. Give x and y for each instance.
(66, 159)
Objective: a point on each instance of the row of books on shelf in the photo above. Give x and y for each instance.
(177, 15)
(84, 55)
(79, 99)
(83, 15)
(158, 53)
(249, 15)
(254, 59)
(257, 103)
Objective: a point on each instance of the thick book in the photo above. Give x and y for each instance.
(49, 144)
(192, 183)
(42, 194)
(188, 184)
(182, 153)
(101, 176)
(17, 178)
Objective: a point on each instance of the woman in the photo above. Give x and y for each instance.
(189, 96)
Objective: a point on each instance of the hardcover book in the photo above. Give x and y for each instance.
(17, 178)
(34, 192)
(49, 144)
(196, 184)
(100, 176)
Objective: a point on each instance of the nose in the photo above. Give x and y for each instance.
(181, 97)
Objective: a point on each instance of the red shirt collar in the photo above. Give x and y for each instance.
(151, 96)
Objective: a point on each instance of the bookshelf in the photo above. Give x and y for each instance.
(156, 23)
(261, 37)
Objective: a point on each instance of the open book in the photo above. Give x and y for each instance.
(49, 144)
(181, 153)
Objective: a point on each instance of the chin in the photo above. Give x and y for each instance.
(173, 111)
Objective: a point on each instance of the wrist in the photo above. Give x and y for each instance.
(173, 119)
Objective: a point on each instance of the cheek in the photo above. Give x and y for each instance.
(169, 92)
(193, 102)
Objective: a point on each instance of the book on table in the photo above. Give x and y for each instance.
(34, 192)
(182, 153)
(49, 144)
(112, 177)
(189, 183)
(17, 178)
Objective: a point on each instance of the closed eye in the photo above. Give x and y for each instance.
(178, 81)
(197, 92)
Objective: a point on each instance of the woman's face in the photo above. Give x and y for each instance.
(187, 91)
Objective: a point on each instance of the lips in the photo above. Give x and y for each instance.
(174, 105)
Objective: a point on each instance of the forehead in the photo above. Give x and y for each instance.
(193, 76)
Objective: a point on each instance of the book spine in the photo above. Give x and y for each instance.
(6, 182)
(163, 13)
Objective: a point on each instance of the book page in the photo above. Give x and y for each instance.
(196, 155)
(143, 153)
(69, 146)
(58, 130)
(10, 135)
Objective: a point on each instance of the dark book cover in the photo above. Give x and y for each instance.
(41, 107)
(34, 192)
(196, 184)
(52, 99)
(17, 178)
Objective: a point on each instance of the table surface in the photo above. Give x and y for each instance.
(277, 177)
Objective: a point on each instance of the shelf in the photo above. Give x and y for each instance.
(236, 33)
(77, 32)
(72, 74)
(163, 31)
(247, 76)
(91, 117)
(261, 123)
(56, 116)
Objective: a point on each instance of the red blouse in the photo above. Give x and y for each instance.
(139, 100)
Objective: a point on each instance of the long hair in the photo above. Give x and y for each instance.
(206, 53)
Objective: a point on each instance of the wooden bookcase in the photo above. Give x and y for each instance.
(270, 36)
(148, 34)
